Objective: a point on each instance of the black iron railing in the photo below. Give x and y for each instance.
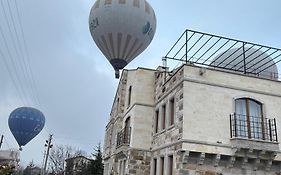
(253, 127)
(124, 137)
(225, 53)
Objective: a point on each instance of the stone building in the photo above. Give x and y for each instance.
(196, 119)
(76, 165)
(9, 158)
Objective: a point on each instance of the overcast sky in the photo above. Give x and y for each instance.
(75, 84)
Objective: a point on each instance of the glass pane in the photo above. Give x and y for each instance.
(255, 119)
(241, 118)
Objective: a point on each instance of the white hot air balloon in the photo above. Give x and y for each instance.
(122, 29)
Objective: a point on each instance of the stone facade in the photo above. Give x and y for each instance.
(179, 123)
(128, 133)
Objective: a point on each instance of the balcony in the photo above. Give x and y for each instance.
(124, 137)
(253, 134)
(253, 127)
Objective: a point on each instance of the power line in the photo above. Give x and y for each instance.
(22, 60)
(21, 91)
(29, 89)
(11, 75)
(7, 144)
(33, 83)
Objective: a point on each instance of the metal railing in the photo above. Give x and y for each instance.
(215, 51)
(124, 137)
(253, 127)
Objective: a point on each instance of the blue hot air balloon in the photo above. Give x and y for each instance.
(25, 123)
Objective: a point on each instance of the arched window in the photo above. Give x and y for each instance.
(249, 118)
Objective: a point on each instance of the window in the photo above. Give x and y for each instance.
(164, 116)
(154, 166)
(161, 165)
(172, 110)
(170, 166)
(129, 95)
(249, 118)
(156, 121)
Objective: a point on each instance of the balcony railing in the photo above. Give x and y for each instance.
(253, 127)
(124, 137)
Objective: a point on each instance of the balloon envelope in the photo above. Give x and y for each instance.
(122, 29)
(25, 123)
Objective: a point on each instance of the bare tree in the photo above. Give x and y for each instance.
(57, 157)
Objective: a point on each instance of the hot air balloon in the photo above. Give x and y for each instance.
(25, 123)
(122, 29)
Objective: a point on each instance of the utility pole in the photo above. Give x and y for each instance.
(43, 163)
(1, 141)
(49, 145)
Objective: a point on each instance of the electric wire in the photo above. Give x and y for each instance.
(22, 52)
(22, 60)
(17, 77)
(33, 83)
(16, 51)
(7, 144)
(16, 57)
(18, 90)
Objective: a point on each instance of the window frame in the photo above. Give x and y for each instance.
(162, 165)
(156, 122)
(154, 166)
(164, 116)
(172, 111)
(251, 133)
(170, 166)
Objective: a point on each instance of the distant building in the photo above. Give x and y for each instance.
(9, 157)
(76, 165)
(35, 170)
(203, 117)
